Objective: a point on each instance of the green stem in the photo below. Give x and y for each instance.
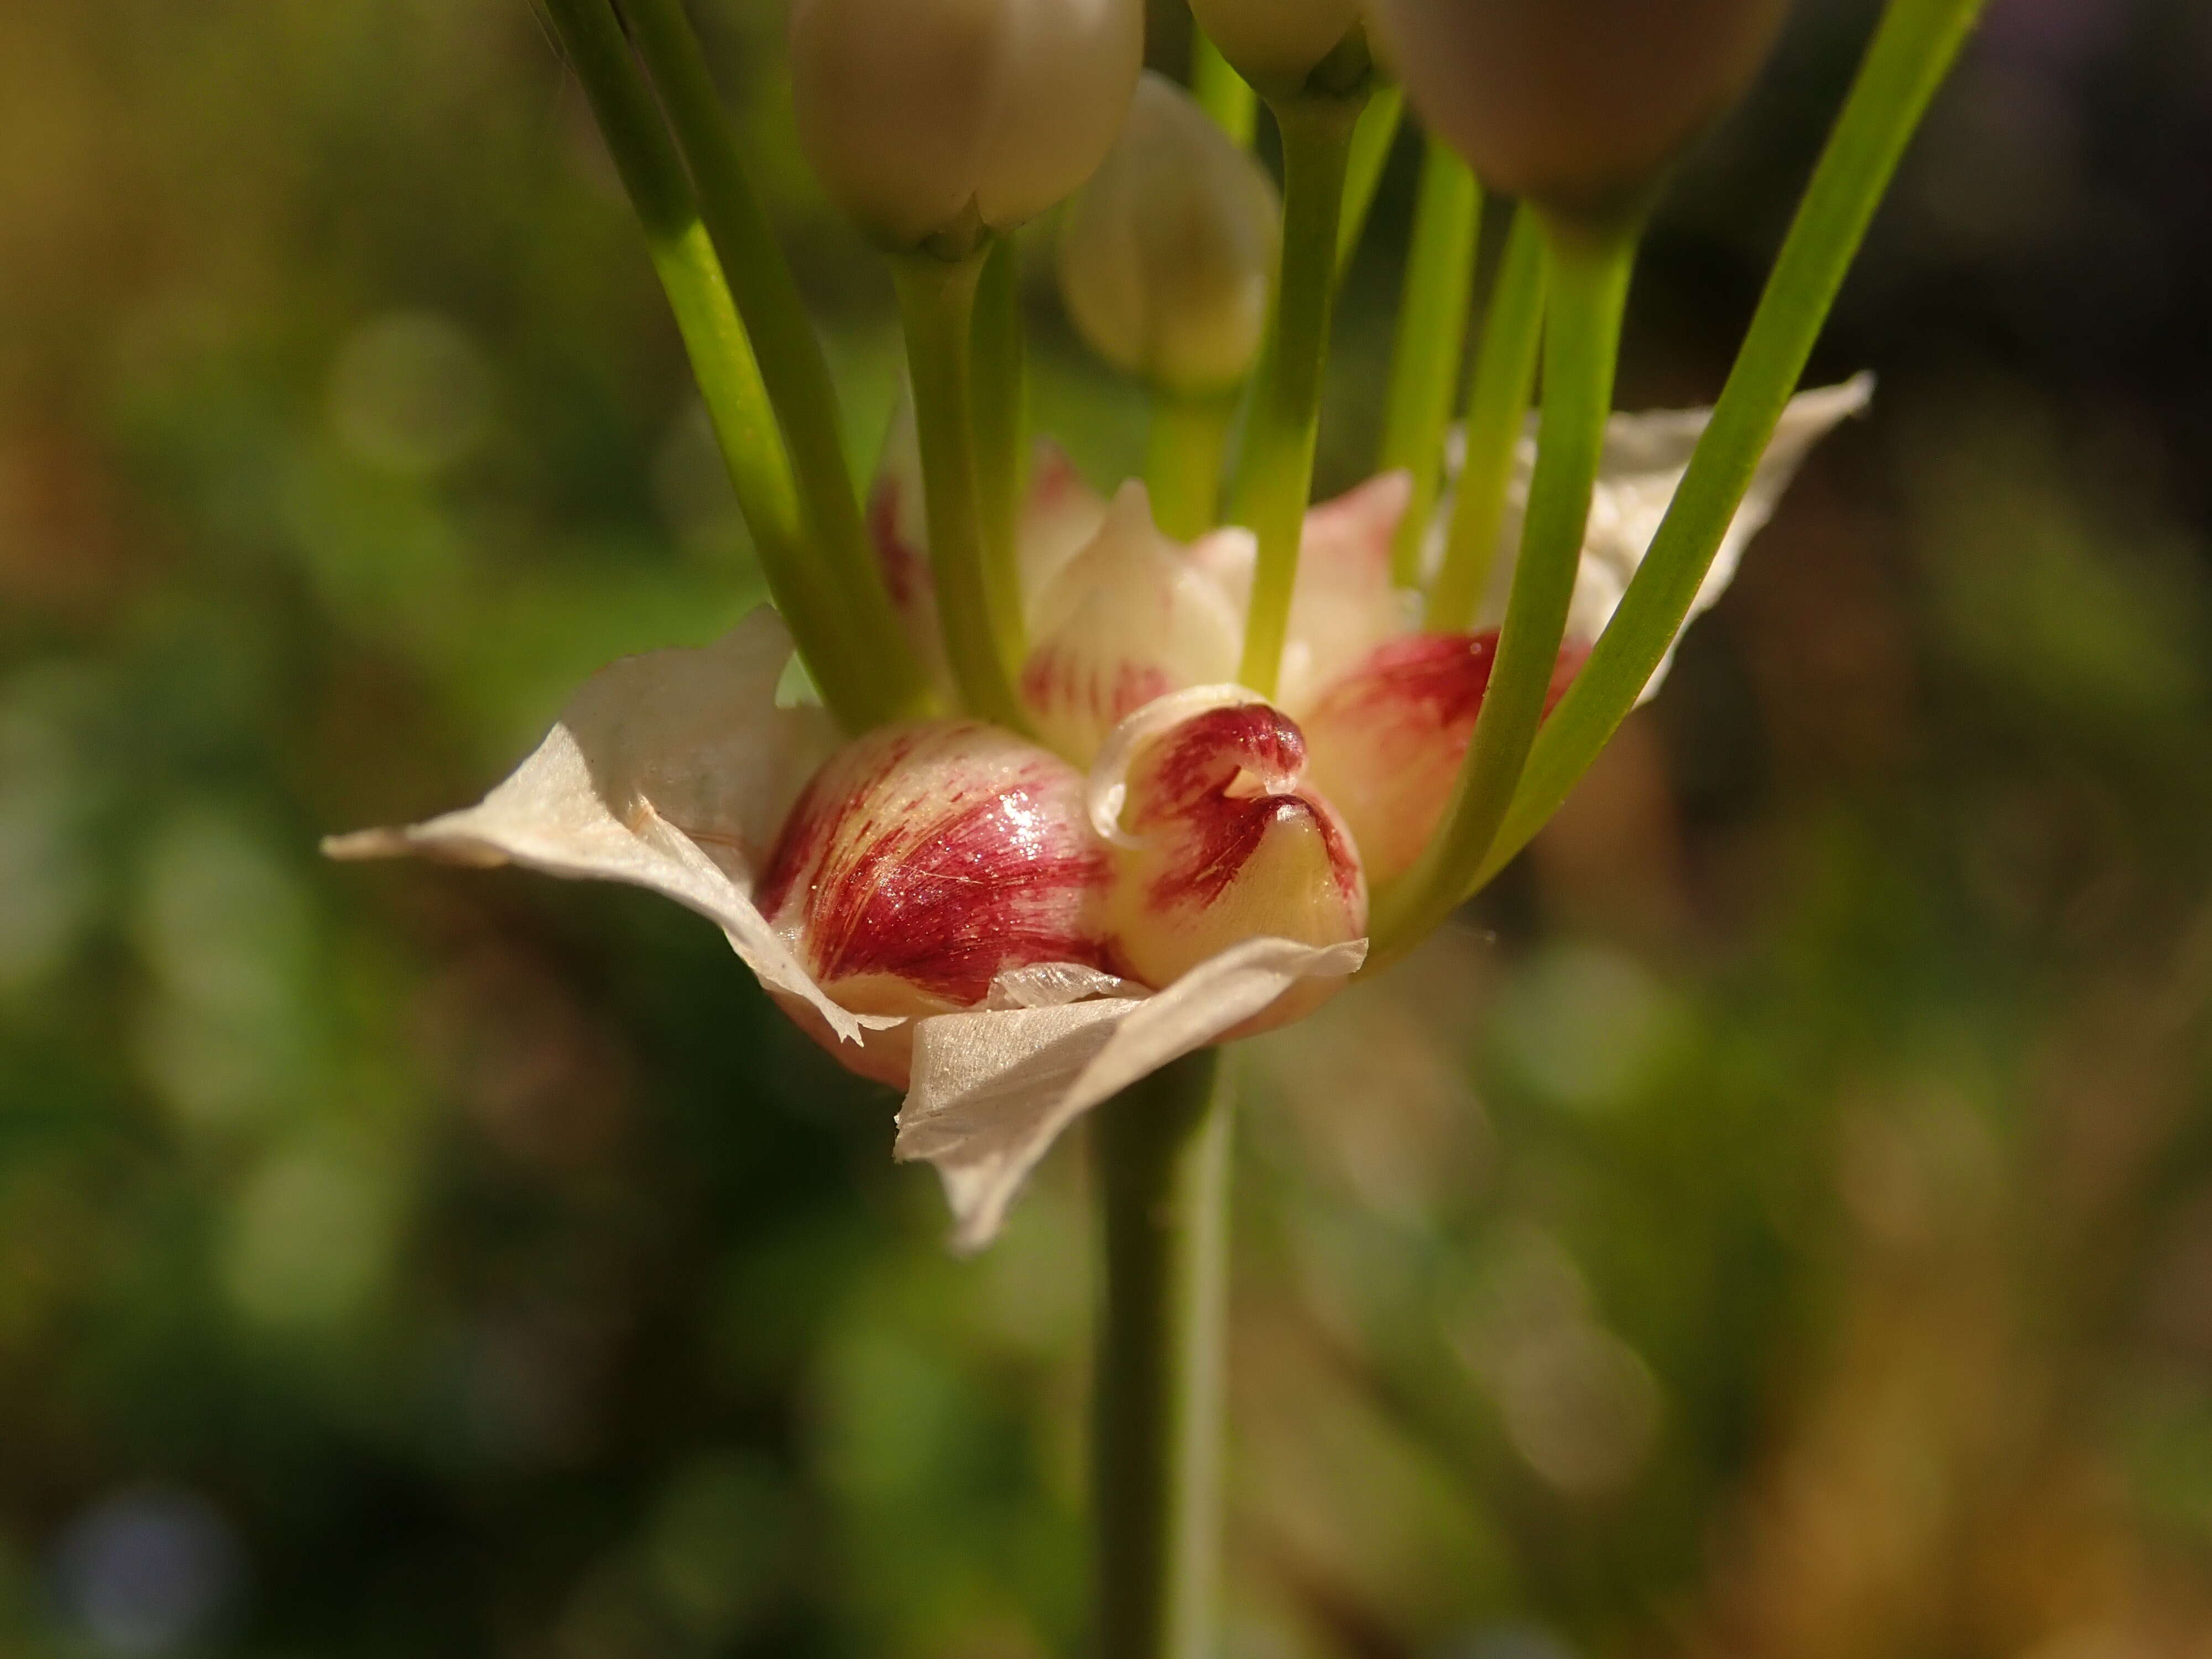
(722, 357)
(937, 303)
(1002, 436)
(1371, 154)
(1911, 52)
(791, 365)
(1221, 91)
(1588, 281)
(1276, 476)
(1162, 1153)
(1497, 405)
(1182, 469)
(1431, 334)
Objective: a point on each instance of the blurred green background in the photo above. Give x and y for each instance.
(1779, 1223)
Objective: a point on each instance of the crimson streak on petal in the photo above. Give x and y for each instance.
(925, 858)
(1386, 738)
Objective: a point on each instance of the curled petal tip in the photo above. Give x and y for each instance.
(1233, 845)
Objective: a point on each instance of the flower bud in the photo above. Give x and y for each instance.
(1386, 738)
(1166, 255)
(1576, 104)
(925, 859)
(1128, 619)
(930, 119)
(1221, 842)
(1276, 44)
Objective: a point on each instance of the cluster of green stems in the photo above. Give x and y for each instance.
(1557, 296)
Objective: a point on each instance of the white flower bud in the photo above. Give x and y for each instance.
(1166, 255)
(1276, 43)
(943, 118)
(1576, 104)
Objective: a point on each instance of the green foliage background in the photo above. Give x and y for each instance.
(1779, 1223)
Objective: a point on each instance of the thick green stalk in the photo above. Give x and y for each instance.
(1587, 280)
(937, 303)
(1432, 333)
(1002, 436)
(792, 364)
(1276, 476)
(1162, 1153)
(1371, 154)
(1497, 406)
(1221, 91)
(722, 357)
(1911, 52)
(1182, 468)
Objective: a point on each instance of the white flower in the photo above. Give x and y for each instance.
(1168, 254)
(933, 118)
(1015, 934)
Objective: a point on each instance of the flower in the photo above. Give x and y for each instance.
(1576, 104)
(1276, 43)
(1168, 254)
(1014, 930)
(943, 118)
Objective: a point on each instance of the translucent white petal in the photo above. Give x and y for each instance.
(672, 771)
(1645, 456)
(992, 1091)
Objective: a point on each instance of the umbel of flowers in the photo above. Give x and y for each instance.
(1098, 781)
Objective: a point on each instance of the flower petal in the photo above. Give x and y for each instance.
(1645, 456)
(992, 1091)
(925, 859)
(1386, 739)
(1221, 842)
(1343, 604)
(1127, 620)
(671, 771)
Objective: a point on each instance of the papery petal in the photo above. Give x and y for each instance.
(1061, 514)
(1345, 603)
(1222, 841)
(924, 861)
(1645, 456)
(1127, 620)
(671, 771)
(1386, 740)
(992, 1091)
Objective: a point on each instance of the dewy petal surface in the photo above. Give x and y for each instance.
(1645, 456)
(1128, 619)
(924, 861)
(1223, 841)
(1386, 740)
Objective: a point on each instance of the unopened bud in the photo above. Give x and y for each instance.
(1167, 254)
(1277, 43)
(943, 118)
(925, 859)
(1224, 842)
(1575, 104)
